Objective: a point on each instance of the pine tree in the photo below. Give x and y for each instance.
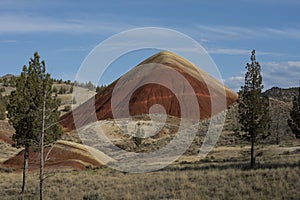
(100, 88)
(71, 89)
(294, 122)
(54, 90)
(2, 108)
(33, 111)
(253, 108)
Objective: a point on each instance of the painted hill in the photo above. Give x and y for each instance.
(64, 155)
(205, 87)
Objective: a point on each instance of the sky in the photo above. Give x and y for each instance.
(65, 32)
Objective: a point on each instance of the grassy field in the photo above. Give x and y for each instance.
(272, 179)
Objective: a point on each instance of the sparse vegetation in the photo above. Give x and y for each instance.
(185, 181)
(100, 88)
(71, 89)
(2, 108)
(62, 90)
(294, 122)
(89, 85)
(74, 100)
(54, 90)
(67, 108)
(93, 196)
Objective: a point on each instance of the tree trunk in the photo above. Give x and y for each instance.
(277, 134)
(42, 149)
(41, 167)
(252, 161)
(25, 167)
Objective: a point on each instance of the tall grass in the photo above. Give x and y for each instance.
(186, 181)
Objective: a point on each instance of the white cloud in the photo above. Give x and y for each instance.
(30, 24)
(280, 74)
(239, 32)
(228, 51)
(235, 82)
(8, 41)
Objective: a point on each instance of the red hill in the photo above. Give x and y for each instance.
(205, 87)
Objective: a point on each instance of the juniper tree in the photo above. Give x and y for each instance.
(294, 122)
(253, 108)
(2, 108)
(33, 111)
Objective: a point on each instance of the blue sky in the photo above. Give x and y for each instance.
(64, 32)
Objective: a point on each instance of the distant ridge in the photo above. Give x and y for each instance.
(282, 94)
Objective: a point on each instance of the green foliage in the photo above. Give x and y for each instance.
(2, 108)
(294, 122)
(67, 108)
(100, 88)
(89, 85)
(33, 87)
(138, 138)
(253, 108)
(93, 196)
(2, 90)
(71, 89)
(9, 82)
(12, 82)
(5, 82)
(62, 90)
(74, 100)
(54, 90)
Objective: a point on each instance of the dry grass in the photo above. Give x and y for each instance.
(272, 180)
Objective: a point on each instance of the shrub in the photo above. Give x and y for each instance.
(62, 90)
(67, 108)
(2, 112)
(74, 100)
(2, 108)
(71, 89)
(93, 196)
(54, 90)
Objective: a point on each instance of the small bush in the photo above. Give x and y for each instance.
(54, 90)
(93, 196)
(2, 109)
(62, 90)
(67, 108)
(74, 100)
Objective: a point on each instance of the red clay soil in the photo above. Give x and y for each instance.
(60, 158)
(6, 132)
(147, 95)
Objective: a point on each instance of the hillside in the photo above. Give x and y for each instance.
(63, 90)
(282, 94)
(206, 88)
(230, 145)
